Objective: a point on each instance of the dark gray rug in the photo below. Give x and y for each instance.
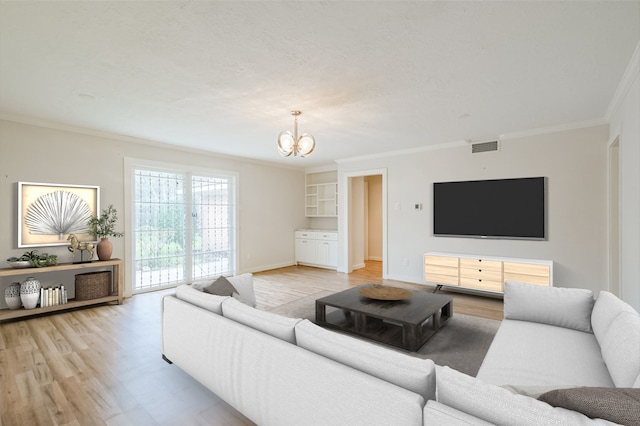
(461, 344)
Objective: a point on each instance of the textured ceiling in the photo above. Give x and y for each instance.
(370, 77)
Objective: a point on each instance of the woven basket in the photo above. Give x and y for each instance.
(93, 285)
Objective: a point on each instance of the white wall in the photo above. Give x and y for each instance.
(574, 163)
(357, 222)
(375, 217)
(625, 125)
(270, 203)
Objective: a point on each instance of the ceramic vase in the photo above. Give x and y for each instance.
(12, 296)
(30, 292)
(104, 249)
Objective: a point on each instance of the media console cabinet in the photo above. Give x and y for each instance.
(115, 296)
(485, 273)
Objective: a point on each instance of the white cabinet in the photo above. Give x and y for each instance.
(321, 194)
(317, 248)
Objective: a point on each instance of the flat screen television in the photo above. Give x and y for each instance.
(499, 208)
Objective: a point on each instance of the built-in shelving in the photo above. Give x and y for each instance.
(115, 296)
(321, 194)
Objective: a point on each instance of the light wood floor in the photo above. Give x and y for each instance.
(103, 366)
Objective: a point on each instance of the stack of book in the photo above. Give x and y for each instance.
(51, 296)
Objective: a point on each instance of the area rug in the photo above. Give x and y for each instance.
(461, 344)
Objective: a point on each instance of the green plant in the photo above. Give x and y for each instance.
(104, 226)
(35, 259)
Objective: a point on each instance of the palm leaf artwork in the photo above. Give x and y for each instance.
(58, 213)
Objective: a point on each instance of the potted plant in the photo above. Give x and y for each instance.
(103, 227)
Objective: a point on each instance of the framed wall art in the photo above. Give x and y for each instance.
(49, 212)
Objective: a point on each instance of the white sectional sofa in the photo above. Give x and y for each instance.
(285, 371)
(555, 340)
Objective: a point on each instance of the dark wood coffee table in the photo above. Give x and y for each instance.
(407, 323)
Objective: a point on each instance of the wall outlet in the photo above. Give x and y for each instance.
(417, 206)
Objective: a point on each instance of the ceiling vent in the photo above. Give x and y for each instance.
(484, 147)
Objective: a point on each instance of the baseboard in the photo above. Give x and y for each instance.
(266, 267)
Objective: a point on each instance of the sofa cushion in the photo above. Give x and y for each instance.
(616, 325)
(220, 287)
(210, 302)
(621, 405)
(605, 309)
(532, 354)
(267, 322)
(414, 374)
(621, 349)
(500, 406)
(563, 307)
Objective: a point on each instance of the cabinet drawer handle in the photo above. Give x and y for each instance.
(479, 270)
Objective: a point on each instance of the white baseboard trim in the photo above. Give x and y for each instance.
(265, 267)
(407, 279)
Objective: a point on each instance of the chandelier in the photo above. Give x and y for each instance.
(289, 143)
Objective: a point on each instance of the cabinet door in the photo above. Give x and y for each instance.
(327, 253)
(322, 252)
(332, 253)
(305, 250)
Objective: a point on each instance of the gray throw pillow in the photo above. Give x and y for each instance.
(618, 405)
(220, 287)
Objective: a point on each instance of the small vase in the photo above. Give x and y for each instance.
(12, 296)
(104, 249)
(30, 292)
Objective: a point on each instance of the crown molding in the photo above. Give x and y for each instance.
(446, 145)
(554, 129)
(630, 74)
(33, 121)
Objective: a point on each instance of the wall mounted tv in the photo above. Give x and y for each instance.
(499, 208)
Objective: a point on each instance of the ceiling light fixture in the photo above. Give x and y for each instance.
(289, 143)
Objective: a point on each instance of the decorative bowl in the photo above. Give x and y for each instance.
(383, 292)
(19, 264)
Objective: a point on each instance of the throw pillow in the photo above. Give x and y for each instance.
(244, 285)
(559, 306)
(618, 405)
(220, 287)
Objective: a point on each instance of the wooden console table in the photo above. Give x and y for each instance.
(485, 273)
(115, 296)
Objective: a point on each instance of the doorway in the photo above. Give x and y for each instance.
(365, 223)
